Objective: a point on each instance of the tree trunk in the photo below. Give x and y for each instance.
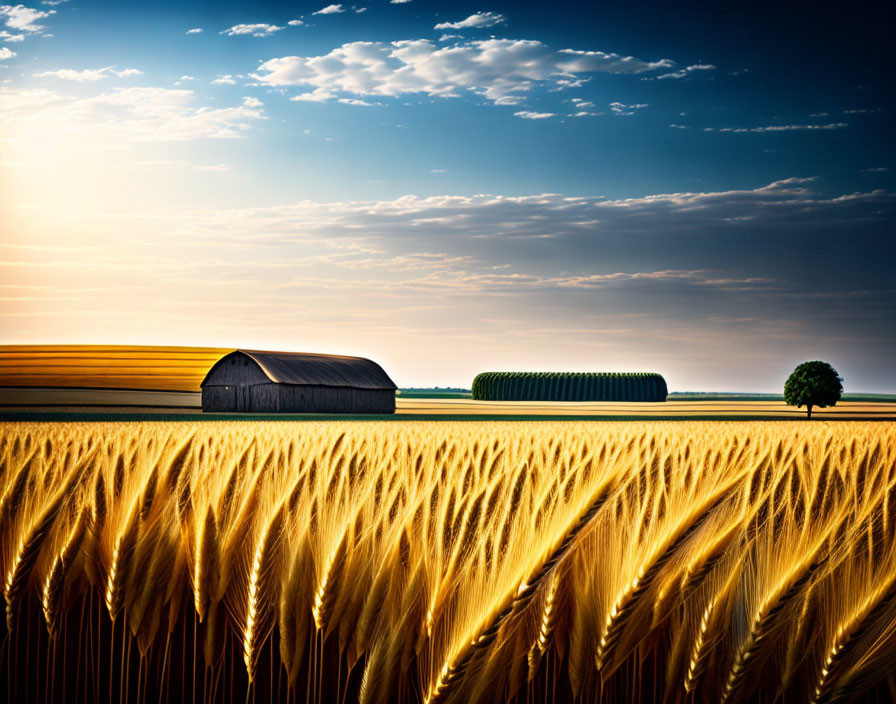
(809, 411)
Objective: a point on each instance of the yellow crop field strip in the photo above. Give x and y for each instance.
(452, 562)
(107, 366)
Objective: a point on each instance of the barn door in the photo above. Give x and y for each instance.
(242, 398)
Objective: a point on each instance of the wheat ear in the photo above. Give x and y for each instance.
(12, 497)
(546, 626)
(294, 613)
(325, 596)
(55, 582)
(207, 567)
(700, 653)
(122, 555)
(265, 556)
(32, 541)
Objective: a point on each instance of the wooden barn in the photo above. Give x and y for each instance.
(249, 381)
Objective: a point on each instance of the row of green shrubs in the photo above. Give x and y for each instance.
(569, 386)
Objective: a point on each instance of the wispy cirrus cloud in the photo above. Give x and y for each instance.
(622, 109)
(194, 30)
(530, 115)
(144, 114)
(478, 20)
(501, 70)
(682, 72)
(780, 128)
(89, 75)
(656, 273)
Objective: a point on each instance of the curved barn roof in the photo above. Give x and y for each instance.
(309, 369)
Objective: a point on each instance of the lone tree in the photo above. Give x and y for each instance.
(813, 384)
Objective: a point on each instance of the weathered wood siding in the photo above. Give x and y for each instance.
(334, 399)
(236, 370)
(289, 398)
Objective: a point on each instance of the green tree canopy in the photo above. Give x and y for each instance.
(813, 384)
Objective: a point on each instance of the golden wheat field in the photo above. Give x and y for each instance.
(449, 562)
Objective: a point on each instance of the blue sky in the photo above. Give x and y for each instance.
(451, 187)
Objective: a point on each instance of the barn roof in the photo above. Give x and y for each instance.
(309, 369)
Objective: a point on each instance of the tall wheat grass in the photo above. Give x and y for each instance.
(449, 562)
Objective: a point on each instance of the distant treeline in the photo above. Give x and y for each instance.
(434, 389)
(739, 396)
(569, 386)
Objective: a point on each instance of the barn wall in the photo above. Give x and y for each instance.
(218, 399)
(334, 399)
(287, 398)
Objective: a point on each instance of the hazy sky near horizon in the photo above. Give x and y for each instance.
(450, 188)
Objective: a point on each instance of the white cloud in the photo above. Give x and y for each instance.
(53, 3)
(195, 30)
(623, 109)
(684, 72)
(329, 10)
(355, 101)
(24, 19)
(317, 96)
(295, 23)
(224, 80)
(398, 2)
(187, 78)
(477, 21)
(89, 75)
(876, 170)
(6, 53)
(529, 115)
(251, 102)
(861, 111)
(501, 70)
(359, 10)
(122, 116)
(438, 171)
(255, 30)
(778, 128)
(8, 37)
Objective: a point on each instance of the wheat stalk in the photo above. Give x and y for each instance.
(454, 668)
(762, 624)
(845, 639)
(625, 602)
